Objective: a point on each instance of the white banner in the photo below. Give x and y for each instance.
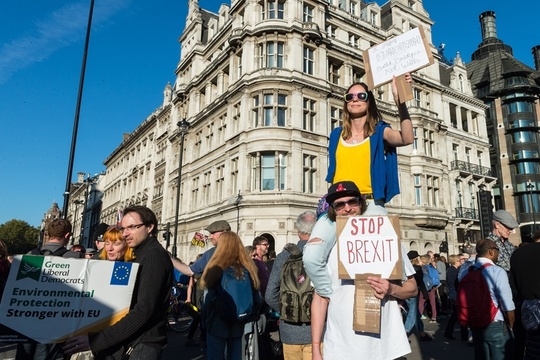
(50, 298)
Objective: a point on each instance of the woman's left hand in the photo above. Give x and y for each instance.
(76, 344)
(408, 79)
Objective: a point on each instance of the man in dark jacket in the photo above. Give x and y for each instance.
(143, 328)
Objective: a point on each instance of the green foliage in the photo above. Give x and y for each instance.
(19, 236)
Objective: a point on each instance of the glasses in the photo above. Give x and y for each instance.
(494, 248)
(264, 244)
(130, 228)
(341, 205)
(361, 96)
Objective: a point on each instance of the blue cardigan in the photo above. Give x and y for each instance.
(384, 170)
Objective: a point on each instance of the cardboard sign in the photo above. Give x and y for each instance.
(50, 298)
(397, 56)
(368, 245)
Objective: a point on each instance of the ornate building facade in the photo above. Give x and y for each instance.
(261, 84)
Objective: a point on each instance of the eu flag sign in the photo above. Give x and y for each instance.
(120, 274)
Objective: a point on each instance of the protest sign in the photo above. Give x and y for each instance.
(50, 298)
(395, 57)
(368, 245)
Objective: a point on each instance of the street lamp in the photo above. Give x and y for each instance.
(237, 203)
(183, 127)
(530, 187)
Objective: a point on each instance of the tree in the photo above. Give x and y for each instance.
(19, 236)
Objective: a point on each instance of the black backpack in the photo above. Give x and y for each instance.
(58, 252)
(296, 292)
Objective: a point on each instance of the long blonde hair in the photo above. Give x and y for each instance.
(229, 252)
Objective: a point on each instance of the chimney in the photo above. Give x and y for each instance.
(487, 23)
(80, 177)
(536, 57)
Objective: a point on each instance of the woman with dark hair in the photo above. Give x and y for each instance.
(224, 335)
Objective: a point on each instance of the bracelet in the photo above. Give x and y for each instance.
(315, 343)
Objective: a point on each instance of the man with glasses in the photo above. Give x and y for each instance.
(495, 340)
(334, 298)
(503, 225)
(142, 331)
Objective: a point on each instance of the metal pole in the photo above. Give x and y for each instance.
(183, 128)
(530, 186)
(77, 112)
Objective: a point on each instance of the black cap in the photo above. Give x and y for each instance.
(413, 254)
(342, 189)
(101, 229)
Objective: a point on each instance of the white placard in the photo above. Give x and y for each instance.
(50, 298)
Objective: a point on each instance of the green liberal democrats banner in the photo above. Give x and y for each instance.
(50, 298)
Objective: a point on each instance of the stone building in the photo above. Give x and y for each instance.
(510, 89)
(261, 84)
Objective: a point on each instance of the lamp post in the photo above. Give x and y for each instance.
(183, 127)
(530, 187)
(237, 203)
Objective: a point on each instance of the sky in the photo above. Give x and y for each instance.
(133, 52)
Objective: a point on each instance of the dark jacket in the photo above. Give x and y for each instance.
(146, 318)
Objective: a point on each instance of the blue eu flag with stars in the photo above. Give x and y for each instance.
(120, 274)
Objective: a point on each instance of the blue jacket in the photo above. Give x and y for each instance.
(384, 170)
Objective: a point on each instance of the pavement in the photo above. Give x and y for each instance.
(438, 349)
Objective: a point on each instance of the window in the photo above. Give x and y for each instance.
(455, 148)
(308, 60)
(336, 114)
(415, 141)
(479, 157)
(333, 71)
(269, 171)
(468, 155)
(308, 13)
(331, 31)
(310, 169)
(429, 143)
(220, 178)
(195, 193)
(432, 190)
(353, 40)
(417, 97)
(272, 112)
(309, 115)
(417, 190)
(353, 7)
(524, 137)
(270, 54)
(206, 187)
(273, 9)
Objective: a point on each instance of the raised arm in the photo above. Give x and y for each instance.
(404, 136)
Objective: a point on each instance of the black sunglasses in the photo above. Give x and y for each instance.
(361, 96)
(341, 205)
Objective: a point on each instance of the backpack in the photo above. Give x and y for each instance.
(428, 280)
(434, 275)
(58, 252)
(237, 296)
(296, 292)
(474, 304)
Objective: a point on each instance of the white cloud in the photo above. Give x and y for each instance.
(54, 31)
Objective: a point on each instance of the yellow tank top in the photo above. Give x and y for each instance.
(353, 163)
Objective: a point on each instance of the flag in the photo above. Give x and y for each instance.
(120, 274)
(119, 216)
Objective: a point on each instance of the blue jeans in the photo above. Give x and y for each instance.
(413, 316)
(315, 255)
(493, 342)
